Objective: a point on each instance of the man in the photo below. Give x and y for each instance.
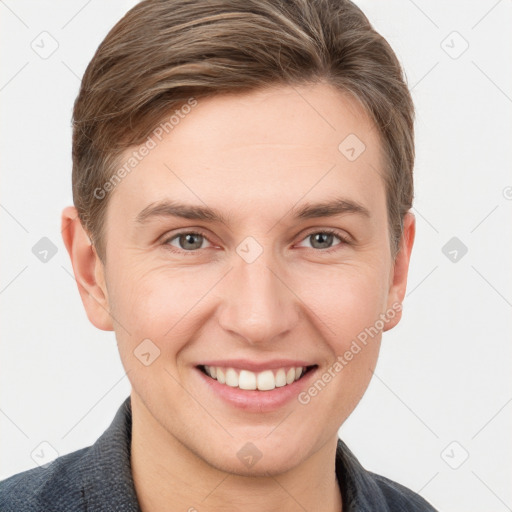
(242, 181)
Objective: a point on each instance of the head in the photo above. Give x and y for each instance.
(242, 180)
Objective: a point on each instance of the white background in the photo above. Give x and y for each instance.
(444, 372)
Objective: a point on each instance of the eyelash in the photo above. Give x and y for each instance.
(343, 240)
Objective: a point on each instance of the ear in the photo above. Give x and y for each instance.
(399, 272)
(88, 269)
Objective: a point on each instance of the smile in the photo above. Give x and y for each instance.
(265, 380)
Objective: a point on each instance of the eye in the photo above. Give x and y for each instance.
(188, 241)
(192, 241)
(322, 240)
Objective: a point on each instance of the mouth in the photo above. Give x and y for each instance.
(265, 380)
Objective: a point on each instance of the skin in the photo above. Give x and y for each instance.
(253, 157)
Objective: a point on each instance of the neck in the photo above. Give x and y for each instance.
(169, 477)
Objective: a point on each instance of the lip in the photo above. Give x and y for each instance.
(253, 366)
(254, 400)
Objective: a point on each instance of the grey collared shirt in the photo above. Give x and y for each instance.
(99, 478)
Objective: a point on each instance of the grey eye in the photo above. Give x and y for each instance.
(188, 241)
(321, 240)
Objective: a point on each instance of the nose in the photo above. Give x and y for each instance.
(257, 304)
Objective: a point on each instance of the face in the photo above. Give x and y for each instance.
(221, 250)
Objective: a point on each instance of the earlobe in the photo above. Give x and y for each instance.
(400, 269)
(88, 270)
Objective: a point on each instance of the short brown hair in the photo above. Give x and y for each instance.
(163, 52)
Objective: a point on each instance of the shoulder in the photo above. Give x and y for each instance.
(56, 487)
(94, 478)
(366, 491)
(399, 498)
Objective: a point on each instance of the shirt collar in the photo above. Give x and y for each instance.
(359, 489)
(108, 474)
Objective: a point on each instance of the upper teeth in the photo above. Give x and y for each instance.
(263, 381)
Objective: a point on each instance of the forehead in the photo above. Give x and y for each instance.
(259, 150)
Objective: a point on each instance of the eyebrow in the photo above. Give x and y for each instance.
(168, 208)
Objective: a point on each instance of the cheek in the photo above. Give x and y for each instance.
(345, 303)
(345, 300)
(158, 303)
